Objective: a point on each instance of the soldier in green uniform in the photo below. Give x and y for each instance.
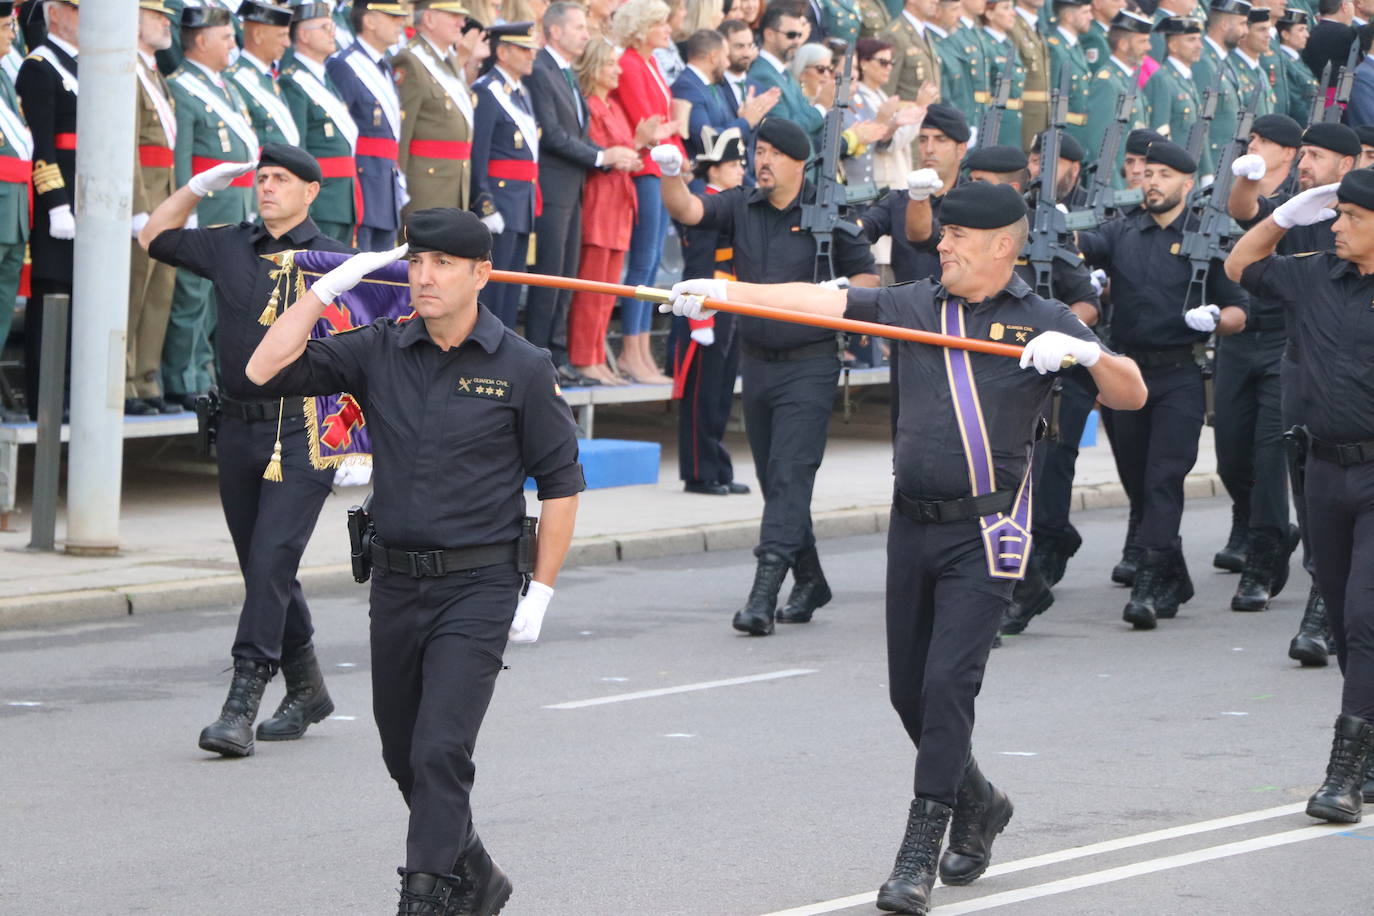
(914, 62)
(326, 128)
(16, 155)
(1035, 63)
(874, 19)
(1129, 42)
(1300, 83)
(1165, 10)
(1066, 52)
(842, 19)
(266, 36)
(956, 85)
(1225, 26)
(1094, 39)
(999, 17)
(1251, 75)
(213, 126)
(1174, 94)
(967, 32)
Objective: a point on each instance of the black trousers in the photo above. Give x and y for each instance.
(787, 414)
(1249, 427)
(1157, 447)
(509, 251)
(270, 524)
(33, 340)
(943, 610)
(708, 390)
(437, 646)
(1294, 411)
(559, 231)
(1340, 502)
(1056, 459)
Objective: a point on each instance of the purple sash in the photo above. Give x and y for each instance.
(1006, 537)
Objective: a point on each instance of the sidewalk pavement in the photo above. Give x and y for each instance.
(176, 552)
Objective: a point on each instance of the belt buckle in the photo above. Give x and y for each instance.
(929, 512)
(426, 563)
(1348, 453)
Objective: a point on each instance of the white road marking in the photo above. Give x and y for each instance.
(1068, 855)
(73, 630)
(685, 688)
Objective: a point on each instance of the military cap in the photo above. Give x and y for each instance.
(203, 17)
(1138, 141)
(949, 121)
(982, 205)
(1336, 137)
(1366, 134)
(311, 10)
(1179, 25)
(1257, 14)
(264, 13)
(152, 6)
(999, 159)
(390, 9)
(1236, 7)
(450, 230)
(75, 3)
(786, 137)
(520, 34)
(725, 146)
(1292, 17)
(1131, 22)
(1172, 155)
(1357, 187)
(1072, 2)
(443, 6)
(292, 158)
(1278, 128)
(1069, 148)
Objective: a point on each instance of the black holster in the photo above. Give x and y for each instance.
(1297, 442)
(360, 534)
(1205, 355)
(527, 549)
(207, 422)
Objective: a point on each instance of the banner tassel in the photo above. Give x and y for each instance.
(273, 471)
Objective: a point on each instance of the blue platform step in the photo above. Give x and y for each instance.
(616, 463)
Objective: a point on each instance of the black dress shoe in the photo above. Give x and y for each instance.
(162, 405)
(137, 407)
(574, 379)
(738, 489)
(706, 488)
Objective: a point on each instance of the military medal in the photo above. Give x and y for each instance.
(329, 128)
(224, 140)
(377, 116)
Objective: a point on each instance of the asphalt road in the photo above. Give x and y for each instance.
(1159, 773)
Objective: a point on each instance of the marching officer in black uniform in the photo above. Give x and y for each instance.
(269, 522)
(959, 533)
(472, 410)
(1150, 283)
(1326, 300)
(789, 372)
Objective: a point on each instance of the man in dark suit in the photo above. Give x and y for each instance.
(702, 86)
(1331, 38)
(565, 155)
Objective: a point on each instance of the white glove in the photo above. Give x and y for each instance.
(837, 283)
(219, 177)
(687, 296)
(668, 158)
(1203, 318)
(496, 223)
(192, 221)
(351, 272)
(402, 190)
(138, 222)
(1249, 166)
(529, 613)
(704, 336)
(1098, 278)
(61, 223)
(922, 183)
(1047, 350)
(1311, 206)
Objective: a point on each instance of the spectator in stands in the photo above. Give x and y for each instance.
(702, 14)
(710, 104)
(783, 31)
(599, 16)
(1360, 111)
(641, 27)
(740, 52)
(669, 57)
(891, 157)
(750, 12)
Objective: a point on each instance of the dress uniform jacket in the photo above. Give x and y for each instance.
(271, 118)
(977, 64)
(955, 60)
(793, 105)
(843, 19)
(436, 128)
(16, 170)
(47, 87)
(1300, 86)
(505, 151)
(1035, 94)
(1175, 103)
(1004, 58)
(874, 18)
(1205, 76)
(1109, 83)
(1064, 55)
(329, 134)
(1094, 42)
(365, 84)
(1249, 79)
(913, 59)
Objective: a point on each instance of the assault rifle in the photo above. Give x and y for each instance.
(990, 125)
(1345, 85)
(1103, 199)
(1048, 227)
(1200, 134)
(822, 218)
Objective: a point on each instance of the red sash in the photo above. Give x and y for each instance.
(379, 147)
(155, 157)
(519, 170)
(345, 167)
(64, 141)
(201, 163)
(441, 149)
(14, 170)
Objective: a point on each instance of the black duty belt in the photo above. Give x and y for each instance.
(1159, 359)
(1262, 323)
(1343, 453)
(421, 564)
(939, 511)
(256, 411)
(805, 351)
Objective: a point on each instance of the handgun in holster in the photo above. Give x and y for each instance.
(360, 534)
(1205, 355)
(207, 422)
(1296, 442)
(526, 549)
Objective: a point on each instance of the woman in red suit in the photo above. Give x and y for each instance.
(641, 26)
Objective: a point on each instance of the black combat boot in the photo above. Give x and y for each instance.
(232, 733)
(1368, 789)
(1262, 552)
(1030, 597)
(1123, 573)
(1310, 645)
(1283, 559)
(1232, 557)
(1055, 552)
(1152, 594)
(809, 589)
(980, 813)
(485, 886)
(907, 890)
(1339, 800)
(306, 702)
(756, 617)
(1183, 586)
(426, 895)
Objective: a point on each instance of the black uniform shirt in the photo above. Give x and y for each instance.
(1150, 281)
(1330, 311)
(910, 260)
(928, 452)
(231, 258)
(454, 432)
(770, 247)
(1317, 237)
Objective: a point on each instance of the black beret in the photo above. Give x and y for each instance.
(981, 205)
(999, 159)
(949, 121)
(264, 13)
(450, 230)
(1179, 25)
(1292, 17)
(1357, 187)
(203, 17)
(1336, 137)
(1069, 148)
(786, 137)
(292, 158)
(1171, 154)
(1257, 14)
(1131, 22)
(1238, 7)
(1138, 141)
(1278, 128)
(311, 9)
(1366, 134)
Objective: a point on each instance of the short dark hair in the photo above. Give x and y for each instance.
(731, 26)
(356, 12)
(702, 42)
(557, 13)
(1116, 36)
(1330, 7)
(1365, 36)
(868, 48)
(778, 9)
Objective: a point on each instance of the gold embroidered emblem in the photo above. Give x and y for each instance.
(997, 331)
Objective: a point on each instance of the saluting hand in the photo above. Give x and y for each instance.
(687, 298)
(1311, 206)
(351, 272)
(1047, 350)
(219, 177)
(529, 613)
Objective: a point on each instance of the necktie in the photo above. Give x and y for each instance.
(577, 96)
(519, 97)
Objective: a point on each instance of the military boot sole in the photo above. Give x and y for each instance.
(1308, 651)
(1368, 791)
(1336, 814)
(1139, 617)
(802, 613)
(1249, 604)
(995, 827)
(495, 897)
(225, 746)
(318, 712)
(893, 902)
(754, 625)
(1229, 560)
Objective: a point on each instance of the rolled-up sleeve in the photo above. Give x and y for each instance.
(548, 438)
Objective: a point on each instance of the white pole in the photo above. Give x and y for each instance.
(104, 188)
